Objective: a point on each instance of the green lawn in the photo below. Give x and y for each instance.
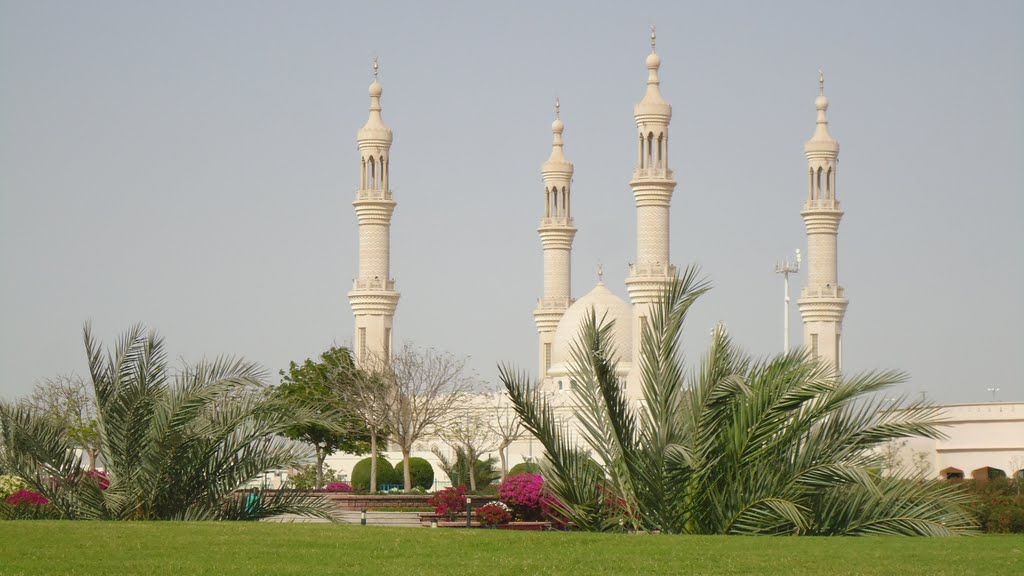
(95, 548)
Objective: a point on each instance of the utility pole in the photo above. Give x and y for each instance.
(786, 268)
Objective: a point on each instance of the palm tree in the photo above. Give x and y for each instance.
(173, 445)
(735, 446)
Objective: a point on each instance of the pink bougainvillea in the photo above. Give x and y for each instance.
(100, 477)
(523, 492)
(493, 514)
(449, 502)
(338, 487)
(550, 507)
(27, 498)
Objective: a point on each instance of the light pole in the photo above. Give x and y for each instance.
(993, 391)
(786, 268)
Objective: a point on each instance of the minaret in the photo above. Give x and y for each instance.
(823, 301)
(652, 184)
(373, 297)
(556, 234)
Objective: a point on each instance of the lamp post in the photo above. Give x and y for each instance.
(469, 511)
(786, 268)
(993, 391)
(362, 517)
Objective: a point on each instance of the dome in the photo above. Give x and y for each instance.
(557, 126)
(821, 102)
(653, 60)
(376, 89)
(608, 306)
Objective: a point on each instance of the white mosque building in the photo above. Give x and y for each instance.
(979, 435)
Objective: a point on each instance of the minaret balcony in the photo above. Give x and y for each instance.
(554, 303)
(373, 195)
(822, 204)
(653, 270)
(823, 292)
(373, 284)
(554, 221)
(653, 173)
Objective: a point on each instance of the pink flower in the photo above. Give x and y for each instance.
(27, 498)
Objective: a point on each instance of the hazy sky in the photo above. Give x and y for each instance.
(191, 165)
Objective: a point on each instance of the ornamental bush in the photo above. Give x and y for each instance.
(361, 474)
(449, 502)
(523, 493)
(9, 484)
(26, 498)
(494, 513)
(338, 487)
(524, 468)
(421, 471)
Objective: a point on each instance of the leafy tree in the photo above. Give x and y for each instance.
(458, 470)
(370, 395)
(427, 386)
(735, 446)
(68, 399)
(176, 445)
(316, 384)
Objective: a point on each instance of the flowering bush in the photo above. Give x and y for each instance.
(549, 507)
(494, 513)
(100, 477)
(449, 502)
(26, 498)
(10, 484)
(338, 487)
(523, 493)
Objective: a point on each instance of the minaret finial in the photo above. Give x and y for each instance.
(653, 38)
(821, 82)
(600, 272)
(375, 66)
(558, 107)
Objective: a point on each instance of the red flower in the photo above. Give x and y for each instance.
(27, 498)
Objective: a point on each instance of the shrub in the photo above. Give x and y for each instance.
(494, 513)
(305, 479)
(26, 498)
(361, 473)
(551, 510)
(421, 471)
(449, 502)
(9, 484)
(338, 487)
(523, 493)
(998, 504)
(524, 468)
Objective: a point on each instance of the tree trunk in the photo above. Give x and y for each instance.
(373, 461)
(405, 464)
(91, 452)
(471, 459)
(321, 455)
(504, 462)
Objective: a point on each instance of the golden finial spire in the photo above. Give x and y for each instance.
(652, 38)
(558, 108)
(821, 82)
(375, 66)
(600, 272)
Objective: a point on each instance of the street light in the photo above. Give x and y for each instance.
(993, 391)
(786, 268)
(469, 511)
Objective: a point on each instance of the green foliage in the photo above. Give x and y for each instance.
(316, 384)
(733, 446)
(305, 478)
(998, 503)
(525, 468)
(361, 474)
(421, 471)
(175, 445)
(9, 484)
(457, 469)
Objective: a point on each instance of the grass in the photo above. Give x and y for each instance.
(98, 548)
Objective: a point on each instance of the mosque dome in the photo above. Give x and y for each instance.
(609, 307)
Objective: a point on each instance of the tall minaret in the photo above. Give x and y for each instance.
(556, 234)
(652, 184)
(823, 301)
(373, 297)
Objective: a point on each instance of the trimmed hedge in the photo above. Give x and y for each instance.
(361, 474)
(421, 471)
(524, 468)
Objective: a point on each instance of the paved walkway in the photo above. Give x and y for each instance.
(404, 519)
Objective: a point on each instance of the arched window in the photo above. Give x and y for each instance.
(661, 143)
(650, 149)
(810, 184)
(565, 201)
(640, 148)
(373, 174)
(554, 196)
(362, 178)
(818, 188)
(828, 184)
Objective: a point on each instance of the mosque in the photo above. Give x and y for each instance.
(822, 300)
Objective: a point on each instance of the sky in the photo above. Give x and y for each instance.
(191, 165)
